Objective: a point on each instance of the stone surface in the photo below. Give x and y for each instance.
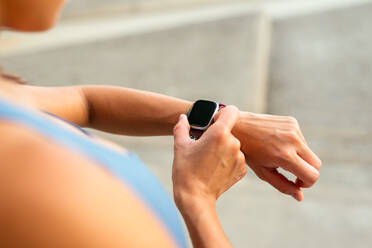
(225, 59)
(321, 74)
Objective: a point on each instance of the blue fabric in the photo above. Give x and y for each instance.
(68, 122)
(127, 168)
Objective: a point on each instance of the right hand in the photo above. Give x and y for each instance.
(270, 142)
(206, 168)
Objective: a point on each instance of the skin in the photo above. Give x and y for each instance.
(268, 141)
(200, 177)
(265, 142)
(16, 14)
(62, 199)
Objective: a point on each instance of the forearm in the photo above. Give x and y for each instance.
(202, 223)
(132, 112)
(112, 109)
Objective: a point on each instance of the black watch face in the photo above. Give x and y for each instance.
(202, 113)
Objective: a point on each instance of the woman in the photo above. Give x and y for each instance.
(60, 187)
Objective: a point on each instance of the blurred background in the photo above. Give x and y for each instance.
(308, 59)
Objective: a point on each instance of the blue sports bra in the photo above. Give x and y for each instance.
(127, 167)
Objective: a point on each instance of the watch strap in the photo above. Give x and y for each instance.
(195, 133)
(221, 106)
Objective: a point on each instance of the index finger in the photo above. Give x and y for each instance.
(227, 117)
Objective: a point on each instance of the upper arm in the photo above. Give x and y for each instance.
(67, 102)
(53, 197)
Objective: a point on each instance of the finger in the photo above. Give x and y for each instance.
(181, 130)
(309, 156)
(299, 183)
(300, 168)
(281, 183)
(226, 117)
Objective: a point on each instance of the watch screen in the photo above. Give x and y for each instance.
(201, 113)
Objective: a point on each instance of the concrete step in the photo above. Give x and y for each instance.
(89, 8)
(321, 74)
(83, 7)
(209, 54)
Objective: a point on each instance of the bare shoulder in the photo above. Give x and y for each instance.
(53, 197)
(19, 142)
(23, 149)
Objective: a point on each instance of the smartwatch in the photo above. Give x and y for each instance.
(200, 116)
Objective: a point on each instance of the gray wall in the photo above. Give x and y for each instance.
(321, 73)
(223, 59)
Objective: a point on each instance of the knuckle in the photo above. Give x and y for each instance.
(314, 178)
(224, 131)
(285, 155)
(235, 144)
(232, 108)
(241, 158)
(292, 136)
(175, 128)
(292, 120)
(243, 171)
(311, 180)
(217, 134)
(221, 133)
(241, 174)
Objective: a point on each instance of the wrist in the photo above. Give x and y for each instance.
(190, 204)
(239, 125)
(201, 219)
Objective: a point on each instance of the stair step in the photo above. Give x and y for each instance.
(215, 56)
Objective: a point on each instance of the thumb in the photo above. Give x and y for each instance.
(181, 130)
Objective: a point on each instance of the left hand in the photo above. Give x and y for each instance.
(269, 142)
(207, 167)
